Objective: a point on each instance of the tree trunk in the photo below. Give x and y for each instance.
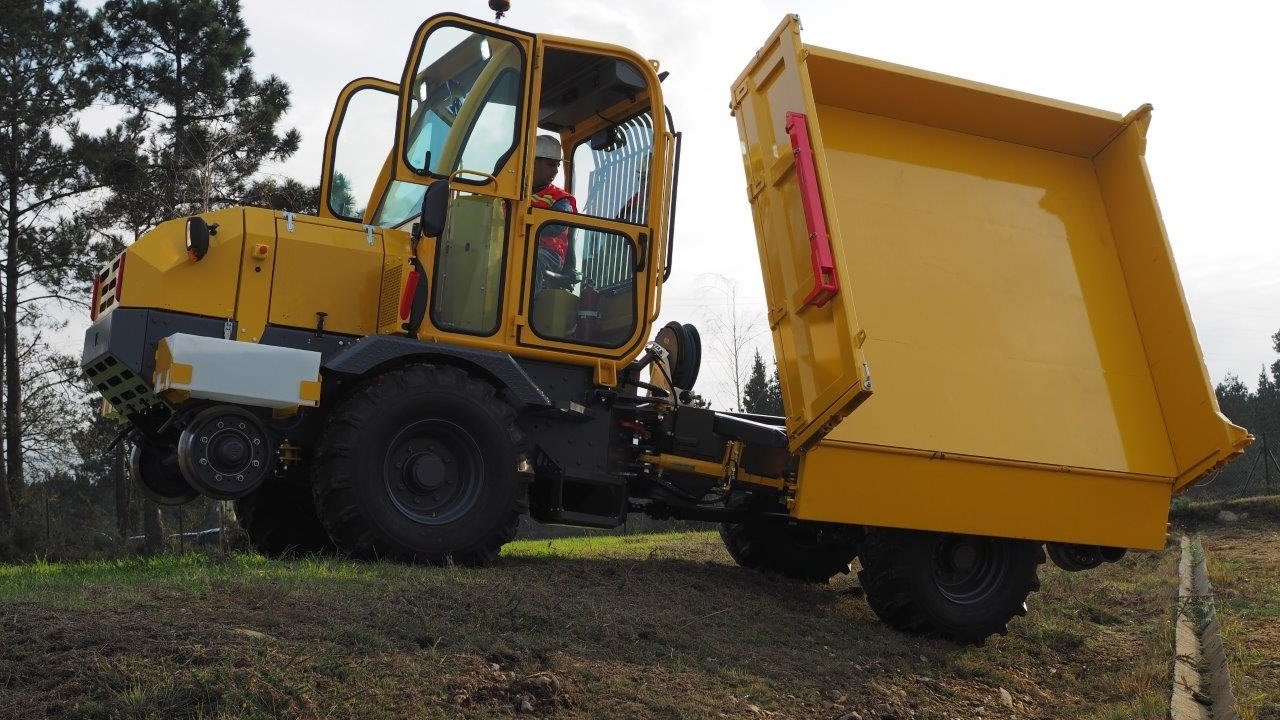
(122, 480)
(12, 377)
(153, 526)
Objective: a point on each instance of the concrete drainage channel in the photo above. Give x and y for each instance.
(1201, 684)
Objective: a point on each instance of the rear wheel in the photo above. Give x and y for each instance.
(280, 518)
(422, 463)
(960, 587)
(800, 551)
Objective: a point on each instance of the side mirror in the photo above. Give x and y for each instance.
(198, 232)
(435, 208)
(608, 139)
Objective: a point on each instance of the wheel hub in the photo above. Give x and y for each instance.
(963, 557)
(426, 472)
(230, 450)
(967, 570)
(433, 471)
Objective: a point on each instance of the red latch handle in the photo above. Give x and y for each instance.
(825, 283)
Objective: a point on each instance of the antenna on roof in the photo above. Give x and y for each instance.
(499, 8)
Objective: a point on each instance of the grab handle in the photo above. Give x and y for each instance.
(825, 283)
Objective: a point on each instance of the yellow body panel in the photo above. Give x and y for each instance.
(331, 267)
(158, 274)
(257, 271)
(1004, 274)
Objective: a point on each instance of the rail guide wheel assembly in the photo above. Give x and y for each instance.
(225, 452)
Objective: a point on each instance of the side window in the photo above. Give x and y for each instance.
(364, 137)
(469, 264)
(611, 171)
(464, 103)
(591, 297)
(402, 202)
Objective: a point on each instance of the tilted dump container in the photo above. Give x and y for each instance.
(978, 322)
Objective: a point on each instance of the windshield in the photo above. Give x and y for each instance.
(402, 202)
(463, 104)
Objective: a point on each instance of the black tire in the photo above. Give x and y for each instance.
(280, 517)
(422, 463)
(963, 588)
(796, 550)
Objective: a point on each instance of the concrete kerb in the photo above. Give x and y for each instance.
(1201, 683)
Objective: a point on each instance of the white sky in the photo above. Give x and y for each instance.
(1205, 67)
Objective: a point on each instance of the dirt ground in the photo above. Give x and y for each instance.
(626, 627)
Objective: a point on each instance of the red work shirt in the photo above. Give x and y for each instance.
(553, 198)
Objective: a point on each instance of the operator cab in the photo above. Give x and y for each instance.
(468, 110)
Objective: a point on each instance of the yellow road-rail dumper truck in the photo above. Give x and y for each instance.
(983, 346)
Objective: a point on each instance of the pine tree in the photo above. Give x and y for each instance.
(206, 123)
(755, 394)
(773, 397)
(288, 194)
(46, 79)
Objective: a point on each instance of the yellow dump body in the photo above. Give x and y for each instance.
(999, 342)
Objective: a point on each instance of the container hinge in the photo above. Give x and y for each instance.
(288, 221)
(227, 328)
(775, 316)
(866, 376)
(368, 235)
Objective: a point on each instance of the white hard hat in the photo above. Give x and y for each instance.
(548, 147)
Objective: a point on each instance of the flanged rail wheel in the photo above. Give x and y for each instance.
(960, 587)
(225, 452)
(422, 463)
(156, 475)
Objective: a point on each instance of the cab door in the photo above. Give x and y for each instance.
(589, 276)
(357, 150)
(462, 117)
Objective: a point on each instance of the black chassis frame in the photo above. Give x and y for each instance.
(588, 440)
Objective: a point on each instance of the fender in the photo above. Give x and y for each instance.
(369, 353)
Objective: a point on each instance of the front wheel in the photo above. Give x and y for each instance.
(422, 463)
(960, 587)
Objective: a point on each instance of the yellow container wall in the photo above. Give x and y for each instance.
(1035, 370)
(997, 318)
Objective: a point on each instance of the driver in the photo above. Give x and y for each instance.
(553, 241)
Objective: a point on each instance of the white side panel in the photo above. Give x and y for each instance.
(239, 372)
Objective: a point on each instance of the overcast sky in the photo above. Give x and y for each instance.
(1207, 68)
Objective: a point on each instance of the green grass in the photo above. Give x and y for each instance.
(646, 626)
(1244, 570)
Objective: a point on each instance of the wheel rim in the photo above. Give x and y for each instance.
(432, 471)
(967, 569)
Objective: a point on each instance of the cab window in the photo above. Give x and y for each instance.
(611, 171)
(590, 299)
(360, 150)
(469, 265)
(464, 102)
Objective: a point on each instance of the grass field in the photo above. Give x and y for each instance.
(1244, 569)
(653, 626)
